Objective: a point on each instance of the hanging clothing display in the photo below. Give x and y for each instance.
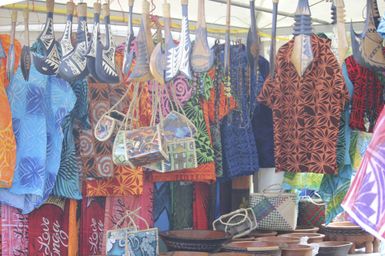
(367, 99)
(116, 208)
(92, 226)
(38, 108)
(205, 172)
(7, 137)
(96, 155)
(48, 228)
(359, 144)
(181, 205)
(14, 232)
(240, 151)
(162, 206)
(68, 179)
(334, 187)
(306, 124)
(364, 200)
(201, 204)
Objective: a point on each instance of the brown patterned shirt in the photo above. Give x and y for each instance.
(306, 109)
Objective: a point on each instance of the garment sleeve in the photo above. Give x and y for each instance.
(266, 96)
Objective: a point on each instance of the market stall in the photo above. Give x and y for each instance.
(213, 127)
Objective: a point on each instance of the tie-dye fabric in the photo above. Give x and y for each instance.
(14, 232)
(365, 201)
(38, 108)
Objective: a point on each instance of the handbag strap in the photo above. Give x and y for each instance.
(128, 121)
(312, 200)
(274, 188)
(156, 105)
(240, 212)
(131, 215)
(118, 102)
(128, 215)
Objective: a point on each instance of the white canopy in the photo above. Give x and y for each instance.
(215, 14)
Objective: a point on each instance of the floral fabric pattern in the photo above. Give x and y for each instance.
(364, 201)
(7, 137)
(38, 108)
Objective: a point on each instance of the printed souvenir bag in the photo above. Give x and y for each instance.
(275, 210)
(178, 133)
(238, 223)
(141, 146)
(131, 241)
(311, 212)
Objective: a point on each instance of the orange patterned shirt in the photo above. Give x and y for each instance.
(7, 138)
(306, 110)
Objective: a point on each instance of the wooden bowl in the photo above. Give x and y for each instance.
(297, 250)
(313, 237)
(306, 230)
(194, 240)
(334, 248)
(254, 247)
(282, 241)
(256, 234)
(182, 253)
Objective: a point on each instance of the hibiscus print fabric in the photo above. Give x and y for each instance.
(306, 110)
(365, 201)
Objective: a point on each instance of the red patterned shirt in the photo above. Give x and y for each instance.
(306, 109)
(367, 101)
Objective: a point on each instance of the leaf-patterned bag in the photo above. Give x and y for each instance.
(131, 241)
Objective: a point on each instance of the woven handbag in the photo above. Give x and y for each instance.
(275, 210)
(238, 223)
(311, 212)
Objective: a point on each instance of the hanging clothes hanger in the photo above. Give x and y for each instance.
(302, 54)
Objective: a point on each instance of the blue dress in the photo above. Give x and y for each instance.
(38, 107)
